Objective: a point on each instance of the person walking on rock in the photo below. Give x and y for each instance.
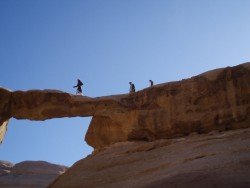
(132, 87)
(151, 83)
(79, 87)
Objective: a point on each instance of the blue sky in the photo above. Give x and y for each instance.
(48, 44)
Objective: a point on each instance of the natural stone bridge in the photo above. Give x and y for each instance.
(218, 99)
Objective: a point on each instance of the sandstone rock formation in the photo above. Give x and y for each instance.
(29, 174)
(217, 159)
(123, 125)
(216, 100)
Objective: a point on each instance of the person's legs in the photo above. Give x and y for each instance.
(79, 90)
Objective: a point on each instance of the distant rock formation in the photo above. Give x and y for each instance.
(215, 100)
(29, 174)
(5, 167)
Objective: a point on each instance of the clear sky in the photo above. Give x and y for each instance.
(48, 44)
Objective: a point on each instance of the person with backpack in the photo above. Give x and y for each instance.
(132, 87)
(79, 87)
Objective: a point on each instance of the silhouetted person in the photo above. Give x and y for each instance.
(132, 87)
(151, 83)
(79, 87)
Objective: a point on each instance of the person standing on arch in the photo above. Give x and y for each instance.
(132, 87)
(79, 87)
(151, 83)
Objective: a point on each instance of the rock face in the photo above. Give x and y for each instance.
(151, 138)
(29, 173)
(216, 100)
(217, 159)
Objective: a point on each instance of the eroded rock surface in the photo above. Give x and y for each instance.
(217, 159)
(215, 100)
(29, 174)
(5, 167)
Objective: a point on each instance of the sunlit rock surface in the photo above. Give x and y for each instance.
(29, 174)
(3, 129)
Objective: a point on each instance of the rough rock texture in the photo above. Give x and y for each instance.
(215, 100)
(29, 174)
(172, 116)
(5, 167)
(216, 159)
(3, 129)
(5, 96)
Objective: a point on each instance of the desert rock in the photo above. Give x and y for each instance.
(29, 173)
(217, 159)
(215, 100)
